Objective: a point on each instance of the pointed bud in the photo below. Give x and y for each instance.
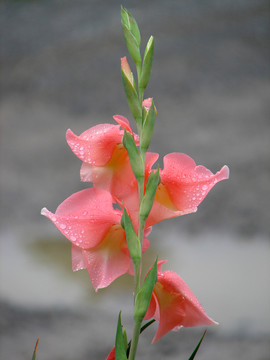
(147, 63)
(134, 156)
(133, 242)
(130, 90)
(127, 71)
(143, 297)
(132, 35)
(149, 196)
(148, 126)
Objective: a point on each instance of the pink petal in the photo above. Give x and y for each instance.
(184, 185)
(85, 217)
(95, 146)
(109, 260)
(174, 305)
(77, 259)
(121, 120)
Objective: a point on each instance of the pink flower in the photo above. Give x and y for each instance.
(183, 187)
(88, 219)
(174, 305)
(105, 160)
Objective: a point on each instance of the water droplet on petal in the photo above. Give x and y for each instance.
(63, 226)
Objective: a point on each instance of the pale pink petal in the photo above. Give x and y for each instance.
(147, 103)
(183, 184)
(109, 260)
(77, 259)
(85, 217)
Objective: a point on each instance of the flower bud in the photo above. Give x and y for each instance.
(130, 90)
(147, 63)
(148, 126)
(132, 35)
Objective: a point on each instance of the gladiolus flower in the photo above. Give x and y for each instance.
(105, 160)
(88, 219)
(183, 187)
(174, 305)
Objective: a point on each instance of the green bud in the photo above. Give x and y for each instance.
(133, 242)
(132, 96)
(149, 196)
(120, 348)
(147, 63)
(148, 127)
(135, 159)
(143, 297)
(132, 35)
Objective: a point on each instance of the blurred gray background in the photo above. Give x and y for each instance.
(60, 68)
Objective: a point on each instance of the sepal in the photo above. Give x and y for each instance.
(134, 156)
(149, 196)
(133, 242)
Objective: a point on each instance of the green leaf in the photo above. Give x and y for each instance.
(149, 196)
(135, 159)
(120, 349)
(132, 98)
(35, 350)
(147, 63)
(143, 296)
(133, 242)
(148, 127)
(197, 347)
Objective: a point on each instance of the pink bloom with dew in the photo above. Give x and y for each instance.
(88, 219)
(183, 187)
(174, 305)
(105, 160)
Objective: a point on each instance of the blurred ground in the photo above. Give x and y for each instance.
(210, 81)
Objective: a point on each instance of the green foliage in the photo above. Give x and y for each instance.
(132, 35)
(147, 63)
(192, 356)
(133, 242)
(149, 196)
(143, 296)
(120, 341)
(135, 158)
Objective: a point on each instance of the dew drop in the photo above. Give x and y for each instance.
(63, 226)
(204, 187)
(54, 218)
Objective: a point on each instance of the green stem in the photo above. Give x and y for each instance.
(135, 339)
